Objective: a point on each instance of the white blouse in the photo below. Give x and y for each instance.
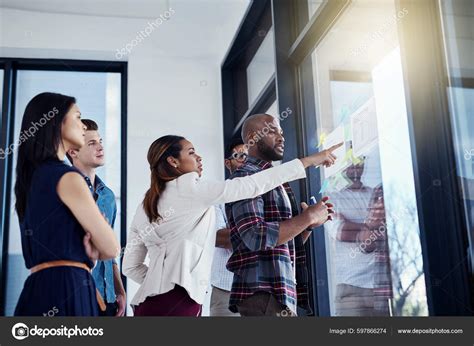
(181, 246)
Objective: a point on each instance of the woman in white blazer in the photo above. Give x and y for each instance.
(175, 224)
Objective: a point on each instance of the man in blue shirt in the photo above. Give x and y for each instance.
(106, 273)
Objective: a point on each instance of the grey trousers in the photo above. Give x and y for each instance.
(220, 303)
(263, 304)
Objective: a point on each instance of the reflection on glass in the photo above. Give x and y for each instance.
(458, 21)
(273, 109)
(375, 265)
(261, 68)
(98, 97)
(313, 6)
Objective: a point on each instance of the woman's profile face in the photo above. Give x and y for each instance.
(188, 160)
(72, 129)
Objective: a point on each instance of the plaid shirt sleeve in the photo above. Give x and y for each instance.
(256, 233)
(249, 217)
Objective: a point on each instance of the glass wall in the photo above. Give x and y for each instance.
(458, 32)
(374, 259)
(98, 97)
(357, 82)
(262, 66)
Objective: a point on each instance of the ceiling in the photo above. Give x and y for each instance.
(197, 29)
(108, 8)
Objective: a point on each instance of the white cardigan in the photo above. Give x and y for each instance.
(181, 246)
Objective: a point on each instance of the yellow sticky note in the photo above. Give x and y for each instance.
(356, 160)
(348, 156)
(322, 139)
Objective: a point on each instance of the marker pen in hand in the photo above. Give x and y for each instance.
(313, 201)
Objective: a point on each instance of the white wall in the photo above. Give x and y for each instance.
(173, 74)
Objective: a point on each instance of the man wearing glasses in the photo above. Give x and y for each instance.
(221, 278)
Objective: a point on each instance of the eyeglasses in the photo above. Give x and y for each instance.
(238, 156)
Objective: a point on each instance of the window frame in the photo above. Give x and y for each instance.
(444, 297)
(242, 50)
(427, 98)
(291, 87)
(426, 95)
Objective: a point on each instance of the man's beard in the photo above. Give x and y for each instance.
(268, 153)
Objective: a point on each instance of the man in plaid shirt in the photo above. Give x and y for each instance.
(268, 235)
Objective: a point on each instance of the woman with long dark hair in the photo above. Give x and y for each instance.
(62, 229)
(174, 225)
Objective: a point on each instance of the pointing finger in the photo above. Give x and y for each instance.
(334, 147)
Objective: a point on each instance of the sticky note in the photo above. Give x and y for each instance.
(322, 139)
(324, 186)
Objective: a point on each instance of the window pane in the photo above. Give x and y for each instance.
(98, 97)
(273, 109)
(375, 264)
(261, 68)
(458, 24)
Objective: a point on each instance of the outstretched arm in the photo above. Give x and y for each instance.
(207, 193)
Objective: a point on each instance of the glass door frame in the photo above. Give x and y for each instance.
(447, 277)
(11, 66)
